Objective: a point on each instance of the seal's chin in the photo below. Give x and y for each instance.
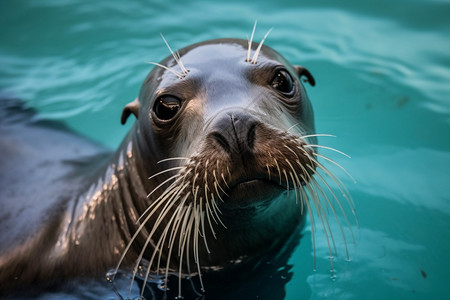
(253, 192)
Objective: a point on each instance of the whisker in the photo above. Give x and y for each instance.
(176, 225)
(341, 187)
(176, 73)
(185, 212)
(293, 180)
(311, 216)
(203, 232)
(293, 126)
(317, 205)
(163, 183)
(278, 168)
(196, 256)
(224, 181)
(216, 184)
(159, 243)
(183, 236)
(317, 135)
(295, 187)
(287, 181)
(173, 158)
(250, 42)
(176, 57)
(158, 247)
(170, 190)
(158, 204)
(195, 186)
(216, 210)
(208, 217)
(318, 189)
(165, 171)
(336, 180)
(217, 191)
(335, 214)
(255, 56)
(329, 148)
(185, 244)
(336, 164)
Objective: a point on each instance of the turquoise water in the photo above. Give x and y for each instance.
(382, 72)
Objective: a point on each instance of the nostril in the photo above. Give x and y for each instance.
(251, 136)
(220, 139)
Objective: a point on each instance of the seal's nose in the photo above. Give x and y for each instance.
(235, 133)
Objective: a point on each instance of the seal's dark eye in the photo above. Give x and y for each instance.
(166, 107)
(282, 81)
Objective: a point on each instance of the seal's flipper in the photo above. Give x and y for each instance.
(302, 71)
(130, 108)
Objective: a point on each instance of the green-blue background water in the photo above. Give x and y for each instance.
(382, 72)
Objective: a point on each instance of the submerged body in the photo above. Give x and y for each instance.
(214, 173)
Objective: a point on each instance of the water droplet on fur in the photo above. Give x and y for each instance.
(110, 275)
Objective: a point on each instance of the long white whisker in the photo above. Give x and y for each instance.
(176, 57)
(250, 42)
(308, 206)
(224, 181)
(169, 226)
(336, 164)
(167, 206)
(163, 183)
(255, 56)
(185, 244)
(210, 213)
(162, 215)
(176, 73)
(216, 210)
(335, 215)
(278, 168)
(318, 189)
(172, 158)
(196, 256)
(165, 171)
(329, 148)
(217, 185)
(341, 188)
(170, 190)
(292, 177)
(202, 219)
(320, 215)
(317, 135)
(287, 181)
(185, 213)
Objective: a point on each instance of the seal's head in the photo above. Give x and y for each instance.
(233, 139)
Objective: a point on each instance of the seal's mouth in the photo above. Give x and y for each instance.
(257, 191)
(254, 191)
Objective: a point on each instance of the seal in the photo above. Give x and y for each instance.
(217, 169)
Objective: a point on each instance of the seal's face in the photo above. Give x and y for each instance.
(231, 136)
(239, 125)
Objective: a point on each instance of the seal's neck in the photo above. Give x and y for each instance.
(104, 217)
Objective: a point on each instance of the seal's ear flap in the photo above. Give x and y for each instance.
(130, 108)
(302, 71)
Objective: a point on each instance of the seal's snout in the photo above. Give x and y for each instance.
(235, 133)
(253, 161)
